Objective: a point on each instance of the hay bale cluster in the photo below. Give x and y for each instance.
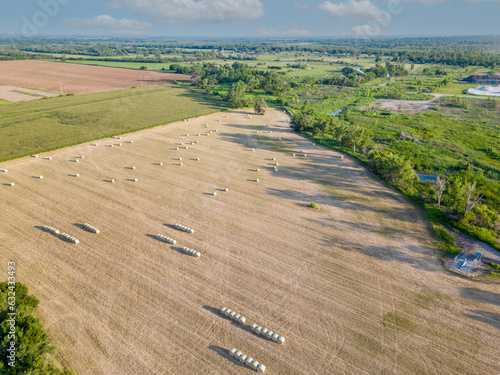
(184, 228)
(91, 228)
(231, 314)
(191, 252)
(250, 362)
(67, 237)
(268, 333)
(166, 239)
(50, 229)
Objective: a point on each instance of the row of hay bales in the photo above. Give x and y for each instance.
(191, 252)
(91, 228)
(50, 229)
(69, 238)
(268, 333)
(231, 314)
(184, 228)
(250, 362)
(166, 239)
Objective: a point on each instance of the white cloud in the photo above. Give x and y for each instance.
(111, 25)
(362, 10)
(180, 12)
(300, 6)
(365, 30)
(289, 30)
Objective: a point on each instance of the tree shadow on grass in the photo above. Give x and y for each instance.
(485, 317)
(481, 295)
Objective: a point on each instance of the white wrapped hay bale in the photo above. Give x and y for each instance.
(248, 361)
(50, 229)
(231, 314)
(69, 238)
(12, 184)
(4, 170)
(166, 239)
(91, 228)
(191, 252)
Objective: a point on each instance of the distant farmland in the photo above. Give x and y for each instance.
(78, 79)
(47, 124)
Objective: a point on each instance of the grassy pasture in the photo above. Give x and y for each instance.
(48, 124)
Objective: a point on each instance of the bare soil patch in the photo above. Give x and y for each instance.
(355, 288)
(404, 106)
(78, 79)
(18, 94)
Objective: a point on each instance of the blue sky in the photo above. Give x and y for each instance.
(250, 18)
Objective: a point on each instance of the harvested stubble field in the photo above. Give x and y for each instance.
(78, 79)
(355, 287)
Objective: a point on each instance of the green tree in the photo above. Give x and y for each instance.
(260, 106)
(32, 343)
(236, 93)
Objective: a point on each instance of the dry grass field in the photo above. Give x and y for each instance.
(355, 287)
(78, 79)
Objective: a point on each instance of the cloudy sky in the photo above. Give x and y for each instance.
(250, 18)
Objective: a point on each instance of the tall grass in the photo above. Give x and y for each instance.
(47, 124)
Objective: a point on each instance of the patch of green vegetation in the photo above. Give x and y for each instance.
(4, 102)
(428, 298)
(32, 344)
(495, 265)
(395, 321)
(446, 240)
(70, 120)
(314, 205)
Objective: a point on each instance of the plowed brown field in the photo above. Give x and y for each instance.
(355, 287)
(78, 79)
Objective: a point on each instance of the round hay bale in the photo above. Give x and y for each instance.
(226, 190)
(34, 156)
(232, 352)
(253, 149)
(77, 175)
(76, 160)
(214, 193)
(40, 177)
(280, 340)
(257, 180)
(112, 180)
(261, 368)
(258, 170)
(197, 159)
(135, 179)
(305, 154)
(342, 157)
(254, 364)
(293, 154)
(180, 164)
(11, 184)
(160, 163)
(177, 148)
(4, 170)
(279, 138)
(49, 158)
